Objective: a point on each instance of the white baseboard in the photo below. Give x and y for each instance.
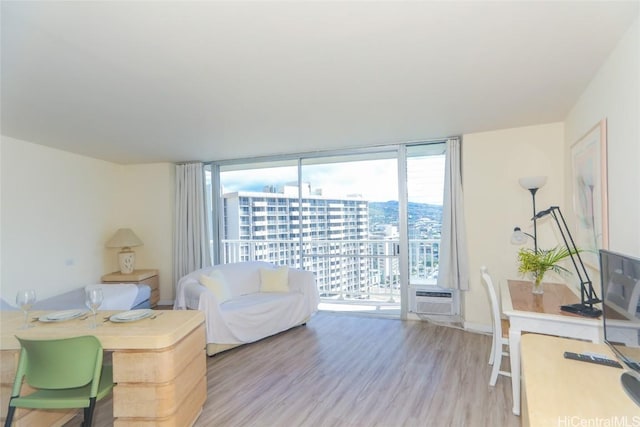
(166, 302)
(478, 327)
(455, 321)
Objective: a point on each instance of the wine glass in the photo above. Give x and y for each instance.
(25, 299)
(93, 301)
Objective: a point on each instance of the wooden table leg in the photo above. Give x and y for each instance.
(164, 387)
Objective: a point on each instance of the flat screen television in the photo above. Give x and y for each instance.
(620, 281)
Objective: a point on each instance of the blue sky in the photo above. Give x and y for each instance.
(375, 180)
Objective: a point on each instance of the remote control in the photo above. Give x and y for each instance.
(592, 359)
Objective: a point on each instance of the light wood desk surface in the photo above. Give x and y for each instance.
(554, 296)
(541, 314)
(159, 365)
(564, 392)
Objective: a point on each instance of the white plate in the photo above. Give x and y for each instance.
(61, 316)
(131, 316)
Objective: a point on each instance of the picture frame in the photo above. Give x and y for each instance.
(589, 187)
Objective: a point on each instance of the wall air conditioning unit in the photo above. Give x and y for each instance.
(433, 300)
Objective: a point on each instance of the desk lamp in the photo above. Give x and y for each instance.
(588, 296)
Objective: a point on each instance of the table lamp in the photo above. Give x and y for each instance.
(125, 238)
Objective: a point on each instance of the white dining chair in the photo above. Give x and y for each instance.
(500, 339)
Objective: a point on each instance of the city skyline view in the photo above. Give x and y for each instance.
(346, 226)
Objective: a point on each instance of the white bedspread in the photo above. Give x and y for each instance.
(117, 296)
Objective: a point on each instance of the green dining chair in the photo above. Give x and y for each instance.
(65, 373)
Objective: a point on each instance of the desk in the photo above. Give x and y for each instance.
(563, 392)
(541, 314)
(159, 366)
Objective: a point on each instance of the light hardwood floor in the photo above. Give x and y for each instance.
(342, 370)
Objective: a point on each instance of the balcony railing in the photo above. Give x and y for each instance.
(345, 270)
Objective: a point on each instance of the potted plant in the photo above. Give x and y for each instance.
(538, 263)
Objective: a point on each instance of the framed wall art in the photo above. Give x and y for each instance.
(589, 183)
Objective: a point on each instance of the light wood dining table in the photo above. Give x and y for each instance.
(528, 312)
(159, 365)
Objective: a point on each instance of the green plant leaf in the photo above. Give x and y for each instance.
(538, 263)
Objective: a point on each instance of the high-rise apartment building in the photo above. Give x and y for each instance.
(326, 235)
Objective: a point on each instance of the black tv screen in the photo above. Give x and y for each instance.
(620, 281)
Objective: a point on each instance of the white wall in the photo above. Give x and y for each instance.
(148, 208)
(1, 140)
(57, 211)
(495, 202)
(614, 94)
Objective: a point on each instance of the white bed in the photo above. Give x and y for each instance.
(125, 296)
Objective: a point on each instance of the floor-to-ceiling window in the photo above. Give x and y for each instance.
(366, 222)
(425, 192)
(258, 212)
(351, 226)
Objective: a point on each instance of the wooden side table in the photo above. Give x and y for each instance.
(146, 277)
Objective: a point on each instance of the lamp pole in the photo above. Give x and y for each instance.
(535, 230)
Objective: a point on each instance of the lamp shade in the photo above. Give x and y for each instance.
(530, 182)
(518, 237)
(124, 238)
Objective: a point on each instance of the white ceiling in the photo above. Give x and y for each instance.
(137, 82)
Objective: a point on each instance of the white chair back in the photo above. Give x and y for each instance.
(495, 304)
(498, 342)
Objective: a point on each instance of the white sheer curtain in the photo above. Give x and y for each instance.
(453, 269)
(191, 250)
